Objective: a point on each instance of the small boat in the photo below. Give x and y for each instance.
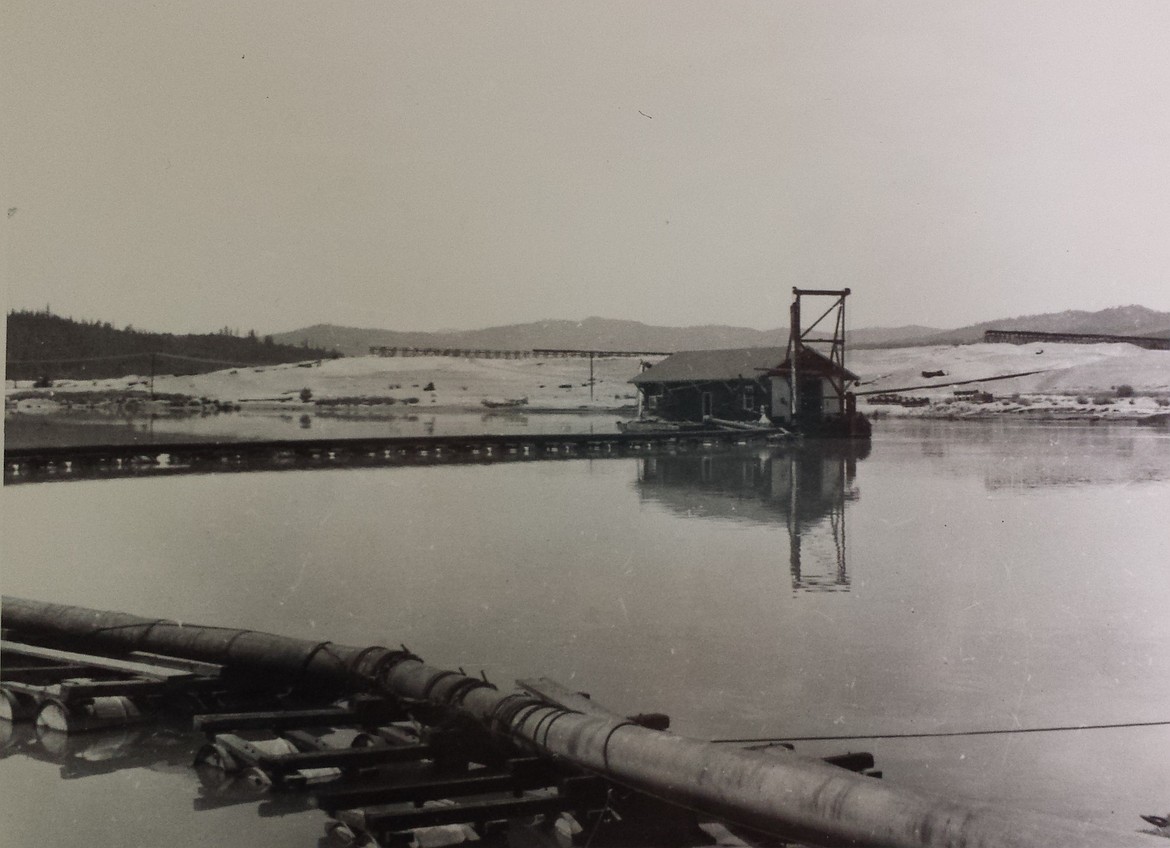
(656, 425)
(645, 425)
(509, 403)
(1162, 823)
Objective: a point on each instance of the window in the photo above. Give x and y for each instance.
(749, 398)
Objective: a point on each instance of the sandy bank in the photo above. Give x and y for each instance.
(1068, 382)
(1102, 381)
(423, 382)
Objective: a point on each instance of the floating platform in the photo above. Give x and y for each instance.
(322, 731)
(402, 750)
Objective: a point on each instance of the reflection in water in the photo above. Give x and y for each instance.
(1037, 606)
(511, 417)
(85, 427)
(1011, 455)
(158, 748)
(803, 488)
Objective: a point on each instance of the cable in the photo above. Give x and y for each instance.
(952, 383)
(944, 734)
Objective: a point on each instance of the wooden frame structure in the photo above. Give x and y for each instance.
(799, 337)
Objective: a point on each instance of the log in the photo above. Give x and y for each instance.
(138, 669)
(344, 758)
(347, 797)
(380, 820)
(279, 719)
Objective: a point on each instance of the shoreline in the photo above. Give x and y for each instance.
(1039, 408)
(1087, 383)
(113, 426)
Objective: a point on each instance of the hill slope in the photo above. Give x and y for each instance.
(1115, 321)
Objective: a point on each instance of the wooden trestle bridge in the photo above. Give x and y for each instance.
(393, 749)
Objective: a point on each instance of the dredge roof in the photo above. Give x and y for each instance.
(743, 363)
(747, 363)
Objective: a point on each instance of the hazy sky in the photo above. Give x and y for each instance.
(185, 166)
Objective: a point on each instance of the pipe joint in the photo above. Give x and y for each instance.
(503, 716)
(376, 664)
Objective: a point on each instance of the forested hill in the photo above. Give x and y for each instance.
(43, 345)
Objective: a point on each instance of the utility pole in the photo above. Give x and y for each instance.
(794, 338)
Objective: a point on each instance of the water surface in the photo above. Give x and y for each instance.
(102, 427)
(952, 577)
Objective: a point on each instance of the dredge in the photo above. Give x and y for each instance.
(393, 748)
(798, 389)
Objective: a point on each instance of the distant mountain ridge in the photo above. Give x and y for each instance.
(590, 334)
(615, 334)
(40, 344)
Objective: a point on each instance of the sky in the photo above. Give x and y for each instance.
(184, 166)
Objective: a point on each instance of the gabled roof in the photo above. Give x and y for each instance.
(743, 363)
(690, 366)
(812, 362)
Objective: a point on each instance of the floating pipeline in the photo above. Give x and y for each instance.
(778, 793)
(60, 463)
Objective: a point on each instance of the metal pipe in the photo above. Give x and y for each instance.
(777, 792)
(319, 663)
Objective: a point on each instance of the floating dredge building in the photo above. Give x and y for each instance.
(795, 387)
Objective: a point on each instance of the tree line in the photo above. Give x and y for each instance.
(45, 347)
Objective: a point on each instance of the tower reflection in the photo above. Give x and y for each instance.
(804, 489)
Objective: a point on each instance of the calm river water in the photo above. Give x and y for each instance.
(951, 578)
